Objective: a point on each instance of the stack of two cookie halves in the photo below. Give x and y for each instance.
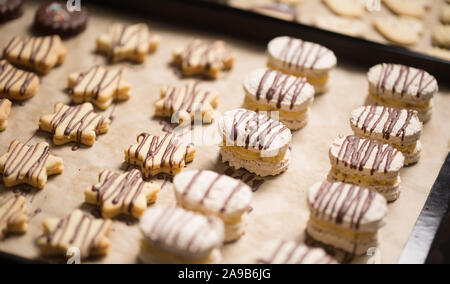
(403, 87)
(297, 70)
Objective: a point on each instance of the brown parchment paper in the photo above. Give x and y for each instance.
(279, 206)
(309, 9)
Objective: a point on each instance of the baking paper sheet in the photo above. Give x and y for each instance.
(279, 205)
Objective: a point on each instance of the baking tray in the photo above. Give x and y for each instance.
(216, 16)
(308, 11)
(212, 16)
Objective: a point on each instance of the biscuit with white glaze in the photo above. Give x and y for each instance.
(291, 252)
(268, 90)
(302, 59)
(173, 235)
(400, 128)
(218, 195)
(401, 86)
(345, 216)
(255, 142)
(368, 163)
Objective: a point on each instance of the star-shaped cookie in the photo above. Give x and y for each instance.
(75, 231)
(125, 193)
(99, 86)
(206, 58)
(29, 164)
(132, 42)
(185, 101)
(159, 154)
(17, 84)
(40, 54)
(13, 217)
(5, 109)
(78, 124)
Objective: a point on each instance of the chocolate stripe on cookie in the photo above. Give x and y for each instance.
(26, 161)
(408, 80)
(78, 230)
(258, 128)
(79, 118)
(372, 119)
(119, 188)
(296, 52)
(173, 222)
(281, 86)
(356, 152)
(340, 200)
(205, 53)
(95, 87)
(289, 252)
(11, 77)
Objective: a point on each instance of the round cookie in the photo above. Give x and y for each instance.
(10, 10)
(55, 18)
(441, 36)
(439, 52)
(410, 8)
(346, 8)
(351, 27)
(403, 31)
(445, 14)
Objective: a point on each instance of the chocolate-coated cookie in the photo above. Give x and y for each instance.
(55, 18)
(10, 9)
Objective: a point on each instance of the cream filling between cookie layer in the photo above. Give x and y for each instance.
(350, 234)
(288, 115)
(245, 154)
(405, 149)
(399, 104)
(316, 81)
(166, 257)
(360, 180)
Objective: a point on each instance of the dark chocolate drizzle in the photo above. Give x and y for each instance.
(11, 76)
(16, 165)
(78, 125)
(393, 116)
(281, 87)
(129, 183)
(95, 89)
(355, 152)
(406, 76)
(254, 129)
(355, 197)
(299, 56)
